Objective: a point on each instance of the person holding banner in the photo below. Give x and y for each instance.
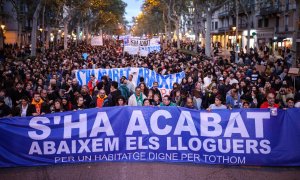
(40, 106)
(24, 108)
(270, 103)
(166, 101)
(80, 104)
(100, 100)
(137, 98)
(218, 104)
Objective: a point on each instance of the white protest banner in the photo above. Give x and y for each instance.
(97, 41)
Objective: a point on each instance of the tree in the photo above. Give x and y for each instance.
(209, 7)
(34, 27)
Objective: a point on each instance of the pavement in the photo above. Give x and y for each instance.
(147, 171)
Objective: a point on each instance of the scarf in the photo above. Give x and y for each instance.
(100, 101)
(37, 105)
(139, 99)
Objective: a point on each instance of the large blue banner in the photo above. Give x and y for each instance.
(167, 134)
(165, 82)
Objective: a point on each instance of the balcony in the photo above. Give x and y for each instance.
(269, 10)
(223, 14)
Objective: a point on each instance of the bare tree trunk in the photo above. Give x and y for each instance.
(207, 33)
(34, 28)
(87, 34)
(248, 34)
(43, 29)
(196, 41)
(236, 31)
(177, 25)
(19, 39)
(77, 33)
(66, 24)
(47, 37)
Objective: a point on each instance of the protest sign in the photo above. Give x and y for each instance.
(148, 134)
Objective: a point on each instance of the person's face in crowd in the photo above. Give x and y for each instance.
(177, 94)
(156, 97)
(190, 79)
(80, 101)
(28, 87)
(27, 76)
(40, 82)
(138, 91)
(184, 80)
(271, 99)
(19, 86)
(243, 84)
(147, 103)
(268, 85)
(214, 90)
(142, 86)
(64, 102)
(92, 78)
(43, 93)
(198, 86)
(57, 105)
(246, 105)
(69, 82)
(155, 85)
(24, 102)
(102, 93)
(130, 77)
(218, 102)
(150, 94)
(121, 102)
(37, 98)
(84, 90)
(238, 75)
(290, 104)
(166, 101)
(74, 82)
(189, 102)
(175, 85)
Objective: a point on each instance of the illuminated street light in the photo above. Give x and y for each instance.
(2, 26)
(234, 28)
(41, 29)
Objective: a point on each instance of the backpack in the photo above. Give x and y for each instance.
(124, 91)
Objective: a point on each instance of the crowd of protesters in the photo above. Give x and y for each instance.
(46, 83)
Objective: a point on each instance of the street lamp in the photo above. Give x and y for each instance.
(2, 26)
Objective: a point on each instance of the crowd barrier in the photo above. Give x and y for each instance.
(153, 134)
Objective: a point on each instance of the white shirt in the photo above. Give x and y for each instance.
(24, 110)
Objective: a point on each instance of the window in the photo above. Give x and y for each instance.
(212, 26)
(260, 23)
(266, 22)
(216, 25)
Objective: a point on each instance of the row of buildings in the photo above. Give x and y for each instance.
(272, 23)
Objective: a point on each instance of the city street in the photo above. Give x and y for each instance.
(148, 171)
